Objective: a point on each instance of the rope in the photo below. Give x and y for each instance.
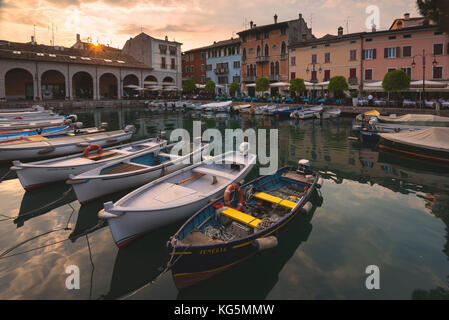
(3, 177)
(37, 209)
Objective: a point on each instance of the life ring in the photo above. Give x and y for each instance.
(18, 118)
(227, 196)
(92, 146)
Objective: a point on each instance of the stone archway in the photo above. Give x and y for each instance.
(53, 85)
(108, 86)
(129, 81)
(82, 85)
(19, 84)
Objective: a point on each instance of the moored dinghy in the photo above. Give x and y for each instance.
(42, 147)
(131, 172)
(175, 196)
(329, 114)
(224, 233)
(39, 173)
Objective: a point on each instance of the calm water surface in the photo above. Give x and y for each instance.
(377, 209)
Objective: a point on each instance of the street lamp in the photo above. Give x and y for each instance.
(320, 70)
(434, 63)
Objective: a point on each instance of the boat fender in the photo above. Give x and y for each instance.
(265, 243)
(92, 146)
(307, 208)
(320, 183)
(18, 118)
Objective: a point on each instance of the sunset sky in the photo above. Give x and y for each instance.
(192, 22)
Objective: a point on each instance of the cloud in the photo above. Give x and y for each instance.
(194, 23)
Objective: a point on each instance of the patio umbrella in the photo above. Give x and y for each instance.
(131, 86)
(428, 83)
(279, 84)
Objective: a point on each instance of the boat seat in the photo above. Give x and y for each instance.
(214, 173)
(102, 155)
(123, 168)
(272, 199)
(241, 217)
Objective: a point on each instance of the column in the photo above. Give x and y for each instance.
(2, 88)
(119, 88)
(96, 84)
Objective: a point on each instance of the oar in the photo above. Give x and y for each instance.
(191, 178)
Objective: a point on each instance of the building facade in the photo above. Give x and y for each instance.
(223, 64)
(194, 65)
(264, 50)
(319, 60)
(29, 71)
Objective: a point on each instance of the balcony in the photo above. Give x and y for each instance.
(262, 59)
(284, 56)
(352, 81)
(221, 71)
(249, 78)
(274, 77)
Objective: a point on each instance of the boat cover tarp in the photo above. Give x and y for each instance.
(434, 138)
(218, 104)
(414, 118)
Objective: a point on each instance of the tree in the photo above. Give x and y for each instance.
(233, 88)
(297, 86)
(395, 81)
(436, 11)
(188, 86)
(262, 84)
(210, 87)
(338, 85)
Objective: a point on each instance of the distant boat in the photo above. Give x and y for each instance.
(217, 106)
(41, 147)
(417, 119)
(308, 113)
(175, 196)
(430, 144)
(329, 114)
(223, 234)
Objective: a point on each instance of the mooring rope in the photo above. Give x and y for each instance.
(4, 177)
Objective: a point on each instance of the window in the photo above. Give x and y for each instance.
(407, 51)
(258, 36)
(258, 51)
(353, 55)
(203, 55)
(244, 54)
(314, 75)
(187, 69)
(392, 37)
(390, 53)
(293, 75)
(438, 72)
(209, 67)
(203, 68)
(408, 71)
(327, 75)
(191, 57)
(407, 36)
(368, 74)
(314, 58)
(437, 49)
(293, 61)
(236, 64)
(327, 57)
(203, 79)
(369, 40)
(391, 69)
(267, 50)
(163, 63)
(223, 80)
(283, 31)
(173, 64)
(353, 73)
(370, 54)
(192, 69)
(266, 35)
(283, 48)
(163, 50)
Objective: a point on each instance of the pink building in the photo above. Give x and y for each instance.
(397, 48)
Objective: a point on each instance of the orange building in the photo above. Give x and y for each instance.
(265, 50)
(194, 65)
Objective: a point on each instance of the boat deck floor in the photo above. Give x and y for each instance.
(296, 176)
(124, 167)
(198, 238)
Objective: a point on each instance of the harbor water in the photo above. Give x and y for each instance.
(377, 210)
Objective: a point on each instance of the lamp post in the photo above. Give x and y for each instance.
(434, 63)
(320, 70)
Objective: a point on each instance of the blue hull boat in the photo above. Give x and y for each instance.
(228, 231)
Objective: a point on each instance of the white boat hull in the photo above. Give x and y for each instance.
(93, 189)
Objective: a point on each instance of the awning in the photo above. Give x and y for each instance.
(200, 86)
(428, 83)
(279, 84)
(322, 84)
(251, 85)
(131, 86)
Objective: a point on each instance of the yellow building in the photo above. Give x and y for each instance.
(321, 59)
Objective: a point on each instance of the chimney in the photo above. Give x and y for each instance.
(340, 31)
(251, 24)
(275, 18)
(373, 28)
(166, 38)
(300, 16)
(32, 40)
(406, 16)
(78, 38)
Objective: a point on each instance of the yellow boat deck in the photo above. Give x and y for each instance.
(241, 217)
(272, 199)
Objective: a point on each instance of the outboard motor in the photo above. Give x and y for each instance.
(130, 128)
(244, 148)
(72, 118)
(373, 121)
(304, 167)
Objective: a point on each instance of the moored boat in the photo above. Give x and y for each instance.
(328, 114)
(430, 144)
(308, 113)
(131, 172)
(41, 147)
(36, 174)
(221, 234)
(175, 196)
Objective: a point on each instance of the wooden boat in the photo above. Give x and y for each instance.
(221, 235)
(175, 196)
(15, 134)
(31, 124)
(133, 171)
(308, 113)
(285, 111)
(329, 114)
(430, 144)
(41, 147)
(36, 174)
